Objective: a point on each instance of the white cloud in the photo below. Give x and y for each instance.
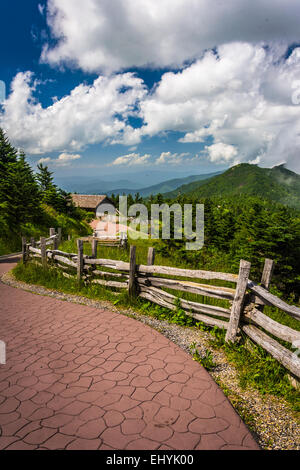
(89, 114)
(110, 35)
(168, 158)
(64, 159)
(240, 97)
(44, 160)
(131, 159)
(165, 158)
(222, 153)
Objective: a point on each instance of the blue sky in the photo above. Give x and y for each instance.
(146, 91)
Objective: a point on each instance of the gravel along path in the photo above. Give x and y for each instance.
(270, 419)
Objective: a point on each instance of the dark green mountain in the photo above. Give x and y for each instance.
(165, 186)
(276, 184)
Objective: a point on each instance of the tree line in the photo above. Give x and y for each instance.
(243, 227)
(249, 228)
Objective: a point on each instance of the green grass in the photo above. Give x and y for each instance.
(282, 317)
(10, 242)
(52, 278)
(258, 369)
(205, 360)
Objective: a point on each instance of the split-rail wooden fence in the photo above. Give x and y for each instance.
(246, 299)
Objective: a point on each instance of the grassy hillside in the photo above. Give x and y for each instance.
(276, 184)
(10, 242)
(165, 186)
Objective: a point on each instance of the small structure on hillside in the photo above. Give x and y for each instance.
(99, 204)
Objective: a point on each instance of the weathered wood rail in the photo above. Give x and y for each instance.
(107, 240)
(246, 299)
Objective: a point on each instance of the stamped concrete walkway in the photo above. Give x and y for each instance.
(82, 378)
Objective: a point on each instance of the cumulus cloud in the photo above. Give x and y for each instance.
(44, 160)
(222, 153)
(131, 159)
(89, 114)
(106, 35)
(67, 157)
(165, 158)
(64, 159)
(168, 158)
(240, 96)
(240, 102)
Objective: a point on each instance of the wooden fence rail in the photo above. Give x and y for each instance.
(270, 299)
(245, 300)
(106, 240)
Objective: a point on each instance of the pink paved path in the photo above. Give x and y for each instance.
(82, 378)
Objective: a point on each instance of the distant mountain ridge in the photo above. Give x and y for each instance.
(85, 185)
(165, 186)
(277, 184)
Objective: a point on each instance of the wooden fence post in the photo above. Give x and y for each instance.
(24, 249)
(267, 273)
(51, 233)
(94, 248)
(265, 281)
(79, 259)
(132, 269)
(69, 238)
(238, 302)
(151, 256)
(55, 243)
(32, 242)
(43, 251)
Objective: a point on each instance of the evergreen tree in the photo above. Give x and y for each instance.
(138, 199)
(22, 194)
(8, 154)
(53, 196)
(45, 178)
(130, 200)
(159, 199)
(19, 194)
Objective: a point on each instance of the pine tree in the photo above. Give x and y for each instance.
(45, 178)
(19, 193)
(22, 194)
(8, 154)
(138, 199)
(53, 196)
